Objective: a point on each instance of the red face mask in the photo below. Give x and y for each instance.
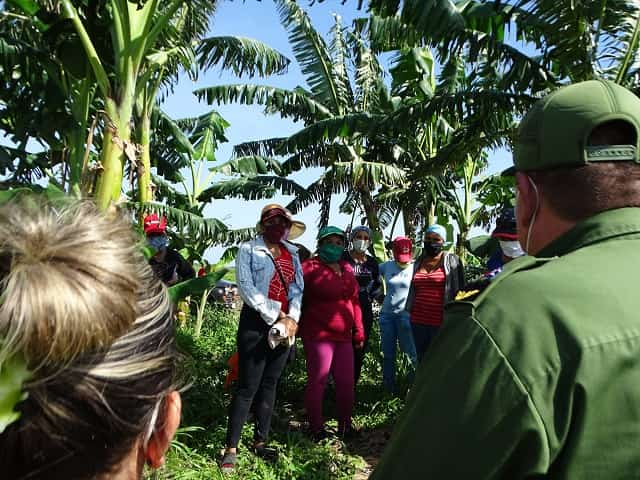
(275, 233)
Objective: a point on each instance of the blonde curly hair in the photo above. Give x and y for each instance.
(81, 305)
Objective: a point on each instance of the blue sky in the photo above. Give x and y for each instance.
(260, 20)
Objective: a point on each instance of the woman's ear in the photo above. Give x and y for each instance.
(163, 434)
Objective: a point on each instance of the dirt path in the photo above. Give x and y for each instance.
(369, 446)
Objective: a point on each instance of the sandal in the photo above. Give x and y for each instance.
(228, 462)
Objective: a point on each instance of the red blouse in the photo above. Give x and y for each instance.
(277, 290)
(428, 308)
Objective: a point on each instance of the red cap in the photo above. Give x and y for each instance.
(154, 225)
(402, 247)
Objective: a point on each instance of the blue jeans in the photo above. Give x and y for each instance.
(394, 328)
(423, 335)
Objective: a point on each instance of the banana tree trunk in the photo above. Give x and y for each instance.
(370, 210)
(76, 159)
(409, 226)
(200, 313)
(145, 193)
(115, 139)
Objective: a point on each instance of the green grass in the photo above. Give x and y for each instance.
(196, 449)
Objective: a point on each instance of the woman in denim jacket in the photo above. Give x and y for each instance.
(270, 282)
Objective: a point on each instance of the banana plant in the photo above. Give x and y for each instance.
(343, 79)
(49, 98)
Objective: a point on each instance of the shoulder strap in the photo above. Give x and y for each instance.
(277, 267)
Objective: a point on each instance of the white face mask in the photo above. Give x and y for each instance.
(360, 245)
(511, 249)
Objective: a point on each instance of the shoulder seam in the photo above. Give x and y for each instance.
(516, 378)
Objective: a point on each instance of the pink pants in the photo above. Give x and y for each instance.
(324, 357)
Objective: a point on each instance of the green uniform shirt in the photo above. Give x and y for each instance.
(538, 376)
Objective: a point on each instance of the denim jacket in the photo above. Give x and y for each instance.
(254, 270)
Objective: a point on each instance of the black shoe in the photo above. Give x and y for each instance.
(268, 454)
(348, 433)
(320, 435)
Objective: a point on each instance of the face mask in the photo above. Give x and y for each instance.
(330, 253)
(432, 249)
(275, 233)
(159, 242)
(360, 245)
(511, 249)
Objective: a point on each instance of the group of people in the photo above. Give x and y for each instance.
(532, 374)
(327, 301)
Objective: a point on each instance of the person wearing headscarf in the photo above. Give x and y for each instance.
(270, 283)
(365, 268)
(437, 278)
(330, 327)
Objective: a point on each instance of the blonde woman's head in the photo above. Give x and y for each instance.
(79, 303)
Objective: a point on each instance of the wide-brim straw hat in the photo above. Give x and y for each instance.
(275, 210)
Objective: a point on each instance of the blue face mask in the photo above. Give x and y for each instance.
(158, 243)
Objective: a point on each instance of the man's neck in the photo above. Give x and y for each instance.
(547, 227)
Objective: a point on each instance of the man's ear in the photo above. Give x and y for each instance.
(163, 434)
(526, 204)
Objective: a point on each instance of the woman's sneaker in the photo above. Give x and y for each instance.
(228, 463)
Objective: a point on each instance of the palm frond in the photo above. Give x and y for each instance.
(340, 54)
(270, 147)
(372, 174)
(371, 92)
(241, 55)
(311, 52)
(293, 104)
(249, 166)
(251, 188)
(187, 222)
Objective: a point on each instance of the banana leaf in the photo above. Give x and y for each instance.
(195, 286)
(379, 250)
(482, 246)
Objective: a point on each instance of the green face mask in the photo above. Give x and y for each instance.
(330, 253)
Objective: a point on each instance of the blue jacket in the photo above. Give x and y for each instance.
(254, 270)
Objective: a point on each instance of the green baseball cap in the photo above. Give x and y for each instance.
(554, 133)
(329, 230)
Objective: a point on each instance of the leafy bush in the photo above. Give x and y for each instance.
(198, 445)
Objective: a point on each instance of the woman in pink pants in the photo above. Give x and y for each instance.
(330, 327)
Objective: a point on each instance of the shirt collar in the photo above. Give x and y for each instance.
(600, 227)
(260, 245)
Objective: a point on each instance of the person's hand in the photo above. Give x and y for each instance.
(290, 325)
(359, 345)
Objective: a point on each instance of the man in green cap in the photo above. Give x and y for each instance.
(538, 376)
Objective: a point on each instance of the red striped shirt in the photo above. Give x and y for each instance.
(428, 307)
(277, 290)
